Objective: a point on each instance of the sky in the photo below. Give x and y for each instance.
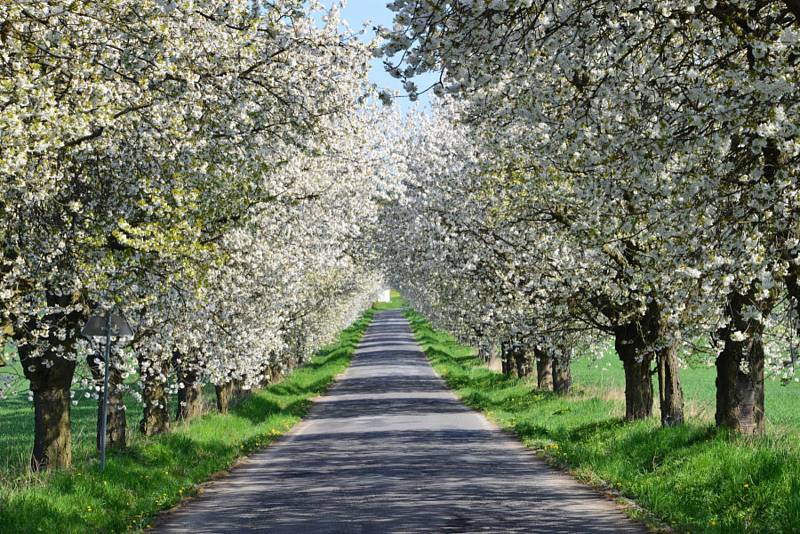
(357, 12)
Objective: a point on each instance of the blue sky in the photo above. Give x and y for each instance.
(375, 11)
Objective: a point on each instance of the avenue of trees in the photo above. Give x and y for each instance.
(622, 169)
(205, 167)
(220, 173)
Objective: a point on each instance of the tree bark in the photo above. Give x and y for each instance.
(521, 362)
(116, 420)
(670, 392)
(228, 394)
(52, 446)
(155, 417)
(50, 376)
(629, 343)
(190, 402)
(266, 377)
(740, 367)
(544, 369)
(190, 396)
(638, 388)
(793, 288)
(562, 372)
(514, 359)
(277, 373)
(505, 358)
(484, 351)
(495, 362)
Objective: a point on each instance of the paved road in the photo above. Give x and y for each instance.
(390, 449)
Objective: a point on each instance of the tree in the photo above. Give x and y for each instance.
(635, 132)
(141, 140)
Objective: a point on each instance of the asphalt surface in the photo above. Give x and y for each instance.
(390, 449)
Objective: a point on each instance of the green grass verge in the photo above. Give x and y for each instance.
(16, 425)
(155, 474)
(396, 303)
(606, 375)
(692, 477)
(16, 434)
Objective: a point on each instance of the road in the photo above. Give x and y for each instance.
(390, 449)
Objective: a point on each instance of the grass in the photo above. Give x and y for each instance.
(16, 424)
(156, 473)
(16, 434)
(605, 378)
(693, 478)
(397, 302)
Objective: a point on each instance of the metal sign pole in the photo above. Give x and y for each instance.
(99, 326)
(104, 410)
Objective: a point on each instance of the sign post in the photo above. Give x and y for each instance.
(104, 326)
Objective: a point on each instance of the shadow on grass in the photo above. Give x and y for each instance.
(158, 472)
(259, 408)
(134, 485)
(693, 477)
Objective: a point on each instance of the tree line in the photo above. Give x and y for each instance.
(204, 167)
(594, 170)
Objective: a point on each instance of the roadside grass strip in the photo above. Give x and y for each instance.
(692, 478)
(157, 473)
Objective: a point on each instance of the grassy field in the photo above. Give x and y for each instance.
(156, 473)
(605, 378)
(16, 434)
(693, 478)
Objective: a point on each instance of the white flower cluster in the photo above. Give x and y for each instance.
(208, 167)
(625, 168)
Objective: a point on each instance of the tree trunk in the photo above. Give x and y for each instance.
(190, 396)
(495, 357)
(190, 402)
(225, 396)
(155, 417)
(277, 372)
(484, 351)
(116, 421)
(228, 394)
(505, 358)
(638, 388)
(793, 288)
(562, 372)
(521, 363)
(50, 375)
(629, 343)
(266, 372)
(52, 433)
(670, 392)
(544, 369)
(740, 367)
